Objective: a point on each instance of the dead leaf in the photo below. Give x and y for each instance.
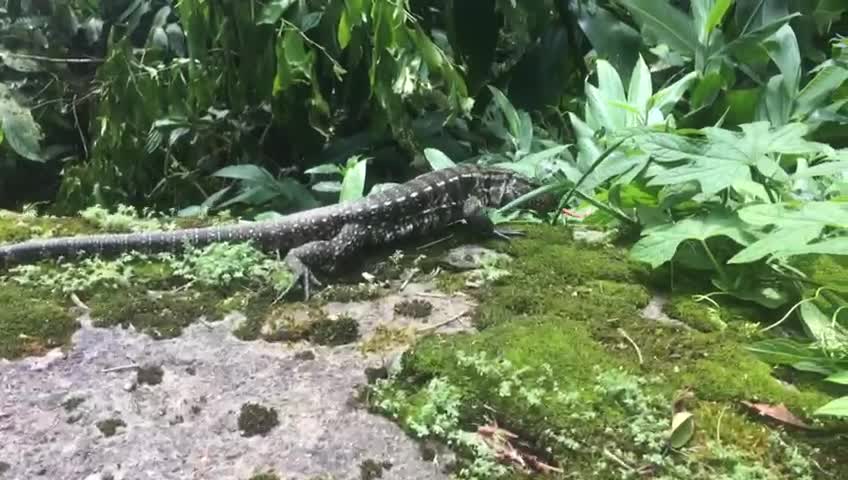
(777, 412)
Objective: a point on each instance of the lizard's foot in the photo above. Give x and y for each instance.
(301, 273)
(507, 234)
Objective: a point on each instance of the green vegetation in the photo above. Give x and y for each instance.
(706, 139)
(254, 419)
(554, 365)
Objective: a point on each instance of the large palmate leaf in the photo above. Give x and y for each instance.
(795, 228)
(659, 244)
(725, 157)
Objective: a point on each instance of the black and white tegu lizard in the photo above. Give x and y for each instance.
(322, 238)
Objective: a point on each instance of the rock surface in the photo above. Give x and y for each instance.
(186, 426)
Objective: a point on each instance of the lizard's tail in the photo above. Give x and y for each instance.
(110, 244)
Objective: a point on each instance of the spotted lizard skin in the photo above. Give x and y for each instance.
(322, 238)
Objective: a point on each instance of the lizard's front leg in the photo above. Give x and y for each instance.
(476, 218)
(324, 255)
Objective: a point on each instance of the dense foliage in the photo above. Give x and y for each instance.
(716, 129)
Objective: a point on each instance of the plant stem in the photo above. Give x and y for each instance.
(721, 272)
(608, 208)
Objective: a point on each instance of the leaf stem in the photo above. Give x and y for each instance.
(722, 273)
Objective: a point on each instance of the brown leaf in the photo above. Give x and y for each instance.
(777, 412)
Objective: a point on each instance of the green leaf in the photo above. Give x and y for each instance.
(353, 184)
(665, 99)
(612, 92)
(343, 31)
(19, 127)
(822, 169)
(437, 159)
(782, 47)
(726, 157)
(830, 335)
(775, 242)
(659, 244)
(667, 23)
(716, 15)
(682, 429)
(785, 351)
(640, 89)
(509, 112)
(838, 377)
(836, 408)
(818, 90)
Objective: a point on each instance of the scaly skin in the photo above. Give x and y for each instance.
(322, 238)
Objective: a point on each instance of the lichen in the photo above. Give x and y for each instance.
(386, 337)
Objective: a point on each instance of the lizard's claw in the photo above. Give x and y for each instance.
(507, 234)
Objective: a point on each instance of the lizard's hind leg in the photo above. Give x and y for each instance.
(325, 255)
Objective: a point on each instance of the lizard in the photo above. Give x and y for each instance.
(322, 238)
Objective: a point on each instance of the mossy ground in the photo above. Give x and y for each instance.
(566, 361)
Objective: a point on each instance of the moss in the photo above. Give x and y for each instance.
(265, 476)
(414, 308)
(31, 322)
(151, 375)
(372, 469)
(699, 316)
(339, 331)
(110, 426)
(161, 316)
(16, 227)
(384, 338)
(255, 419)
(594, 375)
(350, 293)
(72, 403)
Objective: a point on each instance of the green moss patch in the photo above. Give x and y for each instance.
(566, 362)
(162, 315)
(31, 322)
(254, 419)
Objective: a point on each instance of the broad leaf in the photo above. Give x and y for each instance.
(836, 408)
(659, 244)
(437, 159)
(667, 23)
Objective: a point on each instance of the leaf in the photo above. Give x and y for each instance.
(725, 156)
(343, 31)
(324, 169)
(437, 159)
(667, 97)
(782, 47)
(509, 112)
(353, 184)
(836, 408)
(666, 22)
(682, 429)
(820, 327)
(818, 90)
(777, 412)
(801, 356)
(612, 92)
(640, 90)
(838, 377)
(822, 169)
(19, 127)
(776, 241)
(659, 244)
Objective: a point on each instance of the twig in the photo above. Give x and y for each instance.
(122, 367)
(442, 324)
(79, 127)
(617, 460)
(408, 279)
(78, 302)
(636, 347)
(435, 242)
(431, 295)
(56, 60)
